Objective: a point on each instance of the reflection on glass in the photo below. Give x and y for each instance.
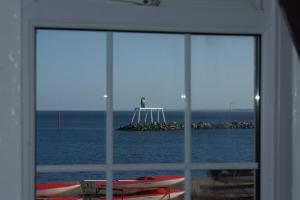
(68, 185)
(148, 109)
(223, 184)
(126, 185)
(70, 83)
(149, 184)
(223, 98)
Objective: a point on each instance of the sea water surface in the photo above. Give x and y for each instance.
(80, 139)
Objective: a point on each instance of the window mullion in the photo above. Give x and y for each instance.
(145, 167)
(257, 102)
(109, 115)
(187, 117)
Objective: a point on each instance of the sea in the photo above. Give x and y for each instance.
(81, 135)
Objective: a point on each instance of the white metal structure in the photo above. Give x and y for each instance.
(147, 110)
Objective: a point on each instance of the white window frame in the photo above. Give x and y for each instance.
(84, 15)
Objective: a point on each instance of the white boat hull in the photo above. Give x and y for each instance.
(73, 190)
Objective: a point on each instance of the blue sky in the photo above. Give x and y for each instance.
(71, 70)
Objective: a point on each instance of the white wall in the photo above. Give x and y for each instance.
(288, 114)
(10, 94)
(296, 128)
(284, 112)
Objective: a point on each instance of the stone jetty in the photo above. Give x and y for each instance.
(173, 126)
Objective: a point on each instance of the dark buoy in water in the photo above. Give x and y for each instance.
(58, 120)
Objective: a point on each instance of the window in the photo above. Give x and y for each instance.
(71, 81)
(200, 119)
(223, 82)
(148, 65)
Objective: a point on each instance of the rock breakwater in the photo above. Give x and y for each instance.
(173, 126)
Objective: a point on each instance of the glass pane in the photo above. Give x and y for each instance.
(223, 184)
(65, 185)
(70, 110)
(149, 184)
(223, 98)
(148, 109)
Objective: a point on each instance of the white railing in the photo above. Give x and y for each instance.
(147, 110)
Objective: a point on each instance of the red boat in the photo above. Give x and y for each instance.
(97, 187)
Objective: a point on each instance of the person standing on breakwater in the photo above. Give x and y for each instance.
(143, 102)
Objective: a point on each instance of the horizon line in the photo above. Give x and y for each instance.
(170, 110)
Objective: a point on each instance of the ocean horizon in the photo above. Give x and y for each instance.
(82, 135)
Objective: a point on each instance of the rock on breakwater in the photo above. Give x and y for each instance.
(173, 126)
(152, 126)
